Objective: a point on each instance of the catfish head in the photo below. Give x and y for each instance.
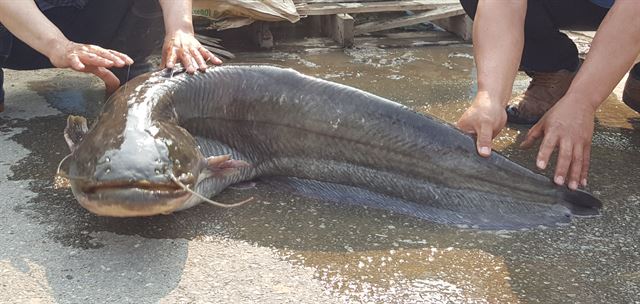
(130, 165)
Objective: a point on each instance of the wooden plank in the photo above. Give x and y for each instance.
(315, 25)
(326, 25)
(438, 13)
(342, 29)
(460, 25)
(373, 7)
(437, 35)
(333, 1)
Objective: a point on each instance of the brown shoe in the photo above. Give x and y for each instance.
(1, 106)
(543, 92)
(631, 93)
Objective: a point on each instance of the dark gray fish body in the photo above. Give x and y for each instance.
(338, 143)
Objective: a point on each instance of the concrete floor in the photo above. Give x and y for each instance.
(287, 249)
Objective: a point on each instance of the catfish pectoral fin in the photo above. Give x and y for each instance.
(223, 165)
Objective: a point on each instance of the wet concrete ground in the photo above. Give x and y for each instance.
(287, 249)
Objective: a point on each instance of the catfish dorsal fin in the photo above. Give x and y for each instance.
(75, 131)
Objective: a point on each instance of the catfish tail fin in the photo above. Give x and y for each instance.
(581, 203)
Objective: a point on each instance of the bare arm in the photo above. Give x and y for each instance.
(498, 37)
(180, 44)
(24, 20)
(613, 51)
(569, 125)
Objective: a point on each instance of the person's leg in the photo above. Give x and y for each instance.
(546, 49)
(6, 40)
(549, 57)
(140, 34)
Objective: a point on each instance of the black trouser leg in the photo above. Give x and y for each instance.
(132, 27)
(635, 71)
(139, 35)
(546, 49)
(5, 49)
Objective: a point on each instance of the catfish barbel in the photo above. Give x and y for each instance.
(164, 136)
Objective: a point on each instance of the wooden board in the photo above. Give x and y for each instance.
(460, 25)
(438, 13)
(342, 29)
(333, 1)
(371, 7)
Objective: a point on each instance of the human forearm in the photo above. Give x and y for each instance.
(498, 37)
(24, 20)
(498, 40)
(568, 126)
(614, 49)
(177, 16)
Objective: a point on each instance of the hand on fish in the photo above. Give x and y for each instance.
(179, 47)
(91, 59)
(485, 119)
(565, 126)
(183, 47)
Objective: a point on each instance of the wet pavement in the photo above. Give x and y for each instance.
(287, 249)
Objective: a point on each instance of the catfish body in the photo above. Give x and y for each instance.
(318, 138)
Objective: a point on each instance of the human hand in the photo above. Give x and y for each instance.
(567, 126)
(484, 118)
(90, 59)
(182, 46)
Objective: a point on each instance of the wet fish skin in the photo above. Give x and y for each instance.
(329, 136)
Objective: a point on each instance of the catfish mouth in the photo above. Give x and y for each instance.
(142, 185)
(131, 198)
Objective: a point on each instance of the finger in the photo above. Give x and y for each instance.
(586, 161)
(208, 56)
(123, 57)
(533, 135)
(546, 148)
(106, 54)
(202, 65)
(92, 59)
(484, 137)
(187, 61)
(111, 82)
(565, 153)
(171, 57)
(576, 167)
(75, 63)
